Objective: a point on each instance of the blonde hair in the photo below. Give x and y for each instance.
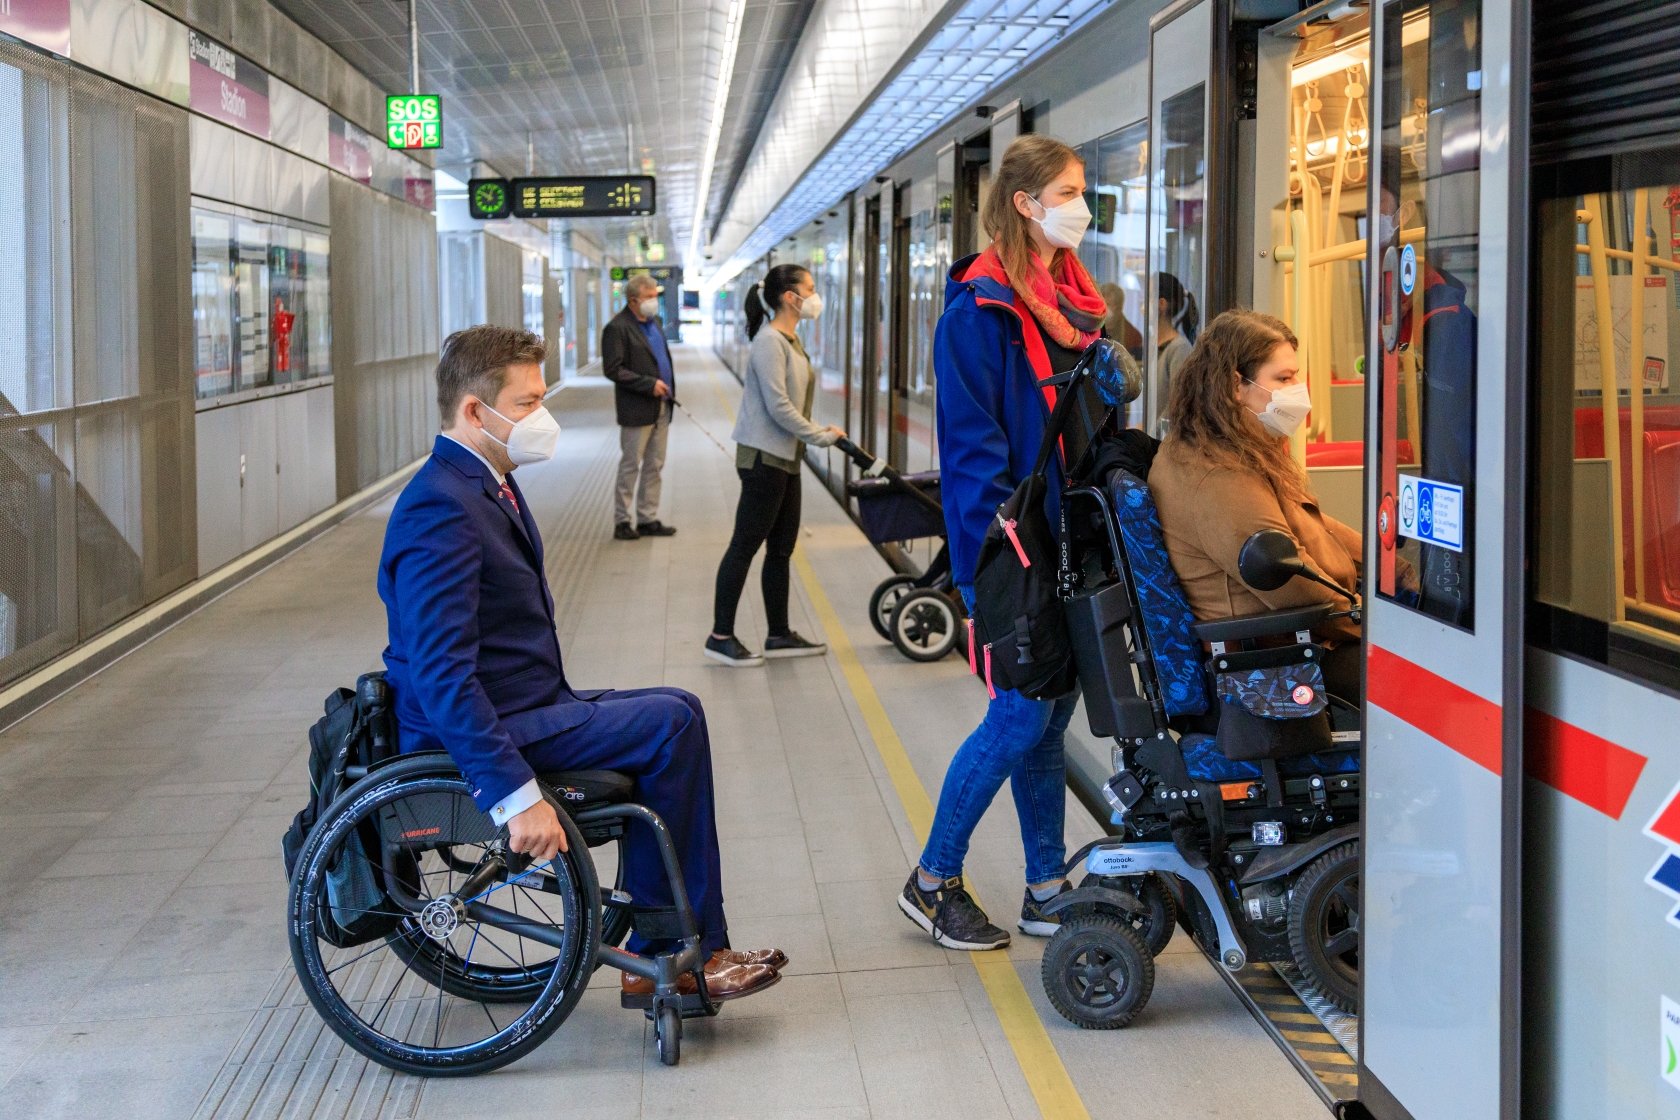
(1029, 164)
(1203, 412)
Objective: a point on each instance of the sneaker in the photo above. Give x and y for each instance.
(1033, 920)
(656, 529)
(792, 645)
(624, 531)
(950, 915)
(730, 651)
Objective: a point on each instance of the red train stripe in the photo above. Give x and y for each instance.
(1577, 763)
(1436, 706)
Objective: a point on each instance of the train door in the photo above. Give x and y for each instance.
(884, 329)
(972, 181)
(1443, 721)
(898, 364)
(1178, 107)
(868, 370)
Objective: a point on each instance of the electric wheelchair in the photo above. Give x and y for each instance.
(431, 948)
(1236, 785)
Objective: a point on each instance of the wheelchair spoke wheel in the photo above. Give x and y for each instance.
(1098, 972)
(1324, 925)
(424, 967)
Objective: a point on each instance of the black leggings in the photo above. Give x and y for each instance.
(768, 514)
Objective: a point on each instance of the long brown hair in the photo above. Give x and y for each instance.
(1204, 414)
(1029, 163)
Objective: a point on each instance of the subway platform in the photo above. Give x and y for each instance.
(144, 969)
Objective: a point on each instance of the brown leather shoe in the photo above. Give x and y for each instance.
(725, 979)
(775, 958)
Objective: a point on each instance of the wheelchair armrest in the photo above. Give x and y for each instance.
(1262, 624)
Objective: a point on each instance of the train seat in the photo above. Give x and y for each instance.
(1350, 453)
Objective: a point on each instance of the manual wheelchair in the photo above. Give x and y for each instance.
(1236, 784)
(432, 949)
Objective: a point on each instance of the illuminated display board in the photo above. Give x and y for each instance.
(414, 120)
(584, 196)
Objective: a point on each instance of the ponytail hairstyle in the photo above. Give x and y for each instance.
(765, 299)
(1029, 164)
(1181, 305)
(1203, 412)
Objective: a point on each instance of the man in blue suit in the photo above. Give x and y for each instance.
(474, 657)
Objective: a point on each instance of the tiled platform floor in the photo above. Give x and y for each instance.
(143, 962)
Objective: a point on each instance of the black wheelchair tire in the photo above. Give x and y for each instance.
(1090, 946)
(914, 610)
(667, 1031)
(1324, 925)
(883, 599)
(549, 1007)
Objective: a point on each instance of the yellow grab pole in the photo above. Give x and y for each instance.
(1636, 386)
(1606, 324)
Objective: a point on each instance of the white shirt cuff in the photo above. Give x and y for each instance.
(516, 802)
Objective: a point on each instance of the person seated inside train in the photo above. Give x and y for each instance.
(1224, 472)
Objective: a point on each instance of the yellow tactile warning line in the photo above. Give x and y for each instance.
(1046, 1076)
(1316, 1047)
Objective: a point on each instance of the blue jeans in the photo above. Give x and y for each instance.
(1020, 740)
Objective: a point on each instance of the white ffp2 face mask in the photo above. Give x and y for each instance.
(811, 307)
(533, 437)
(649, 308)
(1065, 225)
(1288, 408)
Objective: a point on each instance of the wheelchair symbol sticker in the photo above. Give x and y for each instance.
(1408, 269)
(1303, 694)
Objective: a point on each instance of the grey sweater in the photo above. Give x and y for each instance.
(777, 376)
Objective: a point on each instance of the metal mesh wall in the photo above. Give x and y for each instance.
(384, 332)
(97, 510)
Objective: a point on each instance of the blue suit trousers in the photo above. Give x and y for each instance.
(658, 735)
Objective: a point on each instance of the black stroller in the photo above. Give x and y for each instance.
(922, 615)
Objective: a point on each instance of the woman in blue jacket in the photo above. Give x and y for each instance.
(1015, 315)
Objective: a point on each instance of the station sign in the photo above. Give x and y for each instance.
(414, 120)
(584, 196)
(1432, 512)
(488, 200)
(620, 273)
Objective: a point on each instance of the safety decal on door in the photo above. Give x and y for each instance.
(1669, 1057)
(1665, 830)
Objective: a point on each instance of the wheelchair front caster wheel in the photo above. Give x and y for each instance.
(667, 1029)
(1098, 972)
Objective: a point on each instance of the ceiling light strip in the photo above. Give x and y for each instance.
(714, 131)
(881, 133)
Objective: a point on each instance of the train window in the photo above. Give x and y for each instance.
(1181, 227)
(1606, 415)
(1114, 250)
(1428, 245)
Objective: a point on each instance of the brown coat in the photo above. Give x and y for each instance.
(1207, 512)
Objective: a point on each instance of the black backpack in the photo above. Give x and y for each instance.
(1021, 637)
(358, 730)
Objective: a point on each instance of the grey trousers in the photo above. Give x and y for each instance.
(643, 455)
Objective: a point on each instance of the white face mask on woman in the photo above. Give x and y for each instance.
(811, 307)
(1065, 225)
(533, 437)
(1289, 406)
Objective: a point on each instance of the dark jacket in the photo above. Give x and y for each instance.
(627, 360)
(473, 656)
(988, 357)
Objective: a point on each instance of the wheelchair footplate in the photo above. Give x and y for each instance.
(693, 1006)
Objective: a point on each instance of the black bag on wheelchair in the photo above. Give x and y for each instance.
(1272, 703)
(357, 730)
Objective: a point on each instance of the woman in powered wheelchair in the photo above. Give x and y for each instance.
(432, 948)
(1225, 665)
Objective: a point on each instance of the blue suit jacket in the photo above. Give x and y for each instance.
(473, 656)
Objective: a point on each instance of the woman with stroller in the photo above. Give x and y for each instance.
(1225, 472)
(1016, 314)
(775, 424)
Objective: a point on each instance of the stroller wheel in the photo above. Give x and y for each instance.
(1324, 925)
(1098, 972)
(924, 625)
(885, 597)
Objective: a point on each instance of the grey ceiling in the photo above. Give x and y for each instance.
(572, 75)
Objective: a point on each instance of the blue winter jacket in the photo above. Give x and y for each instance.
(988, 359)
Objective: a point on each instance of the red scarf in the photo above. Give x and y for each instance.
(1066, 304)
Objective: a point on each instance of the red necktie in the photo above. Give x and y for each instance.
(508, 494)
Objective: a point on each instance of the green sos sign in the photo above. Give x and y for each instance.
(414, 120)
